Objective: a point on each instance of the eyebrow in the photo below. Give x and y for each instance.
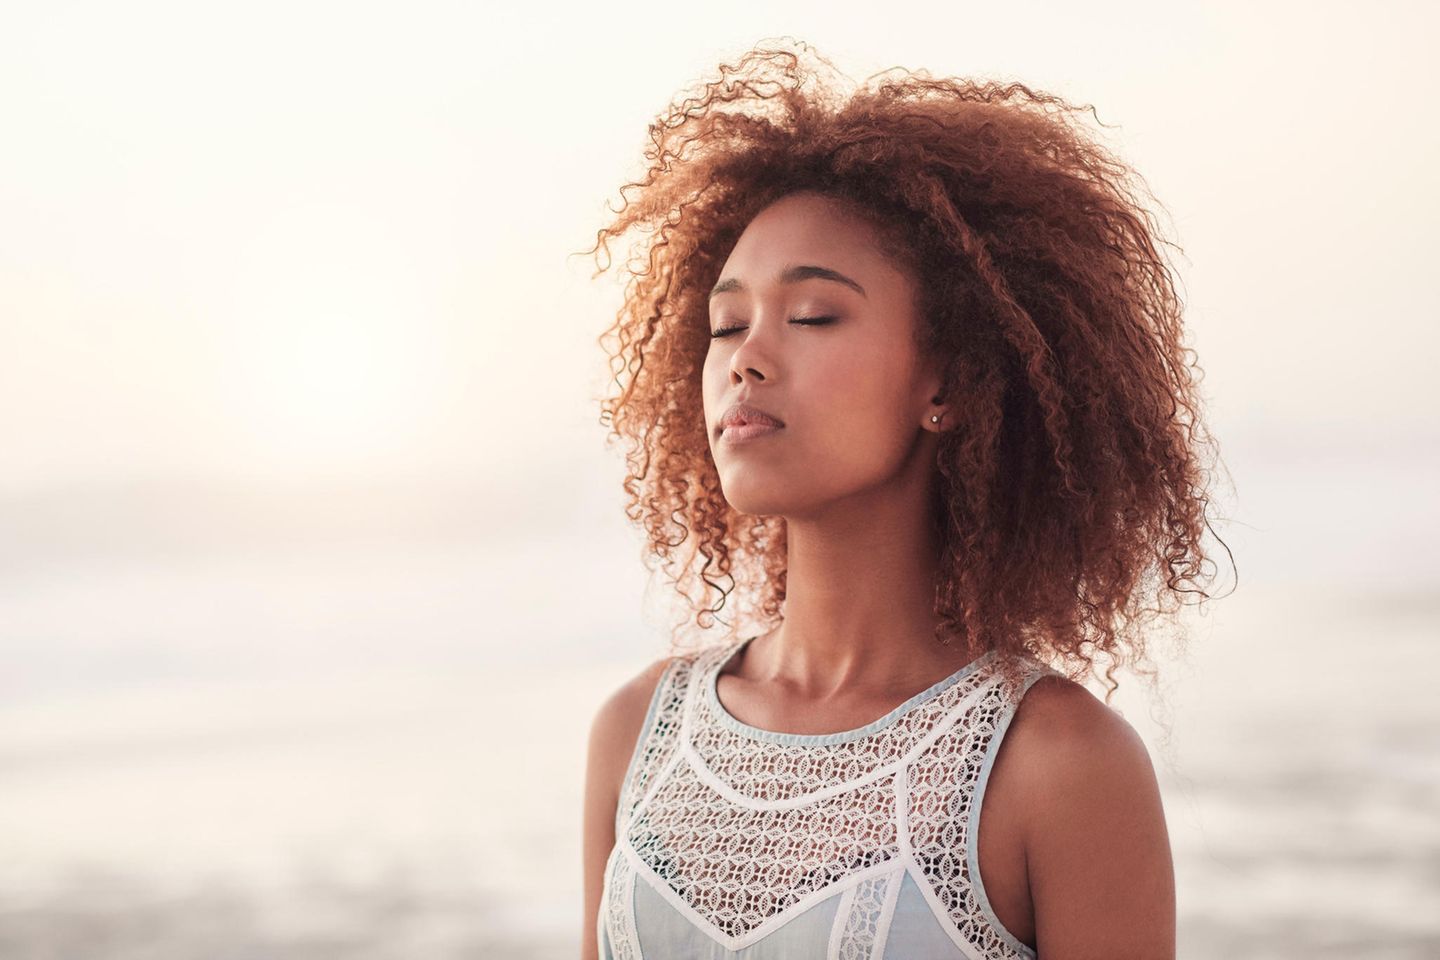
(795, 274)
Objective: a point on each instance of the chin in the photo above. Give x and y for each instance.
(757, 498)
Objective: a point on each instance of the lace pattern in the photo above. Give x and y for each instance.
(619, 912)
(862, 915)
(769, 771)
(940, 796)
(742, 832)
(736, 866)
(658, 739)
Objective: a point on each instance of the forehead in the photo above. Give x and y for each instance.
(806, 228)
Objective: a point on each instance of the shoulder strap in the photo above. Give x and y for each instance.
(659, 734)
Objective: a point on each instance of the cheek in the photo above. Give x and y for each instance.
(862, 425)
(866, 386)
(714, 382)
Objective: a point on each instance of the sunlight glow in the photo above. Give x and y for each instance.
(321, 355)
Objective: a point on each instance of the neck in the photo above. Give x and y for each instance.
(859, 605)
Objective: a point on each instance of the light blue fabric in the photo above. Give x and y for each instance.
(915, 932)
(663, 932)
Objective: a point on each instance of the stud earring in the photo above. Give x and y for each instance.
(934, 418)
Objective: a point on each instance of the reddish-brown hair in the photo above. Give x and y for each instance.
(1072, 493)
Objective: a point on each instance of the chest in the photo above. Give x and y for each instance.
(727, 838)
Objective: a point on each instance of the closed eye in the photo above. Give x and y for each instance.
(803, 321)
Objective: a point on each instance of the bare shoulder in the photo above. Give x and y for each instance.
(616, 726)
(1070, 747)
(1096, 845)
(1059, 717)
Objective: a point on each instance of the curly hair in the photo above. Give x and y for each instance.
(1072, 490)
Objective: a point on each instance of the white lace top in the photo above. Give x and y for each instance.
(737, 842)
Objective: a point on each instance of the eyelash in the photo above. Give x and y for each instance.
(803, 321)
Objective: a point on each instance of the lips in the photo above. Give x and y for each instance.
(744, 414)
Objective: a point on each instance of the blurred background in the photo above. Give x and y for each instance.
(314, 561)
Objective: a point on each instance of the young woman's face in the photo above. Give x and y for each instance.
(853, 395)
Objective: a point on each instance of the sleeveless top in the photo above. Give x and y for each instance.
(737, 842)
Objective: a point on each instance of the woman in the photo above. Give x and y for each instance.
(905, 369)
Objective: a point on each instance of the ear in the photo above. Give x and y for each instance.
(935, 418)
(932, 383)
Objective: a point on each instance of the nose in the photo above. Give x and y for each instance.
(751, 358)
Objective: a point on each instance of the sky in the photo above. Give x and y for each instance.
(272, 267)
(285, 237)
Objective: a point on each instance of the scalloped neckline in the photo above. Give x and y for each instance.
(711, 679)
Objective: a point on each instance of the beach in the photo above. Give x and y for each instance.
(283, 781)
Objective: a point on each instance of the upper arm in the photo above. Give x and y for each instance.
(1097, 850)
(613, 736)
